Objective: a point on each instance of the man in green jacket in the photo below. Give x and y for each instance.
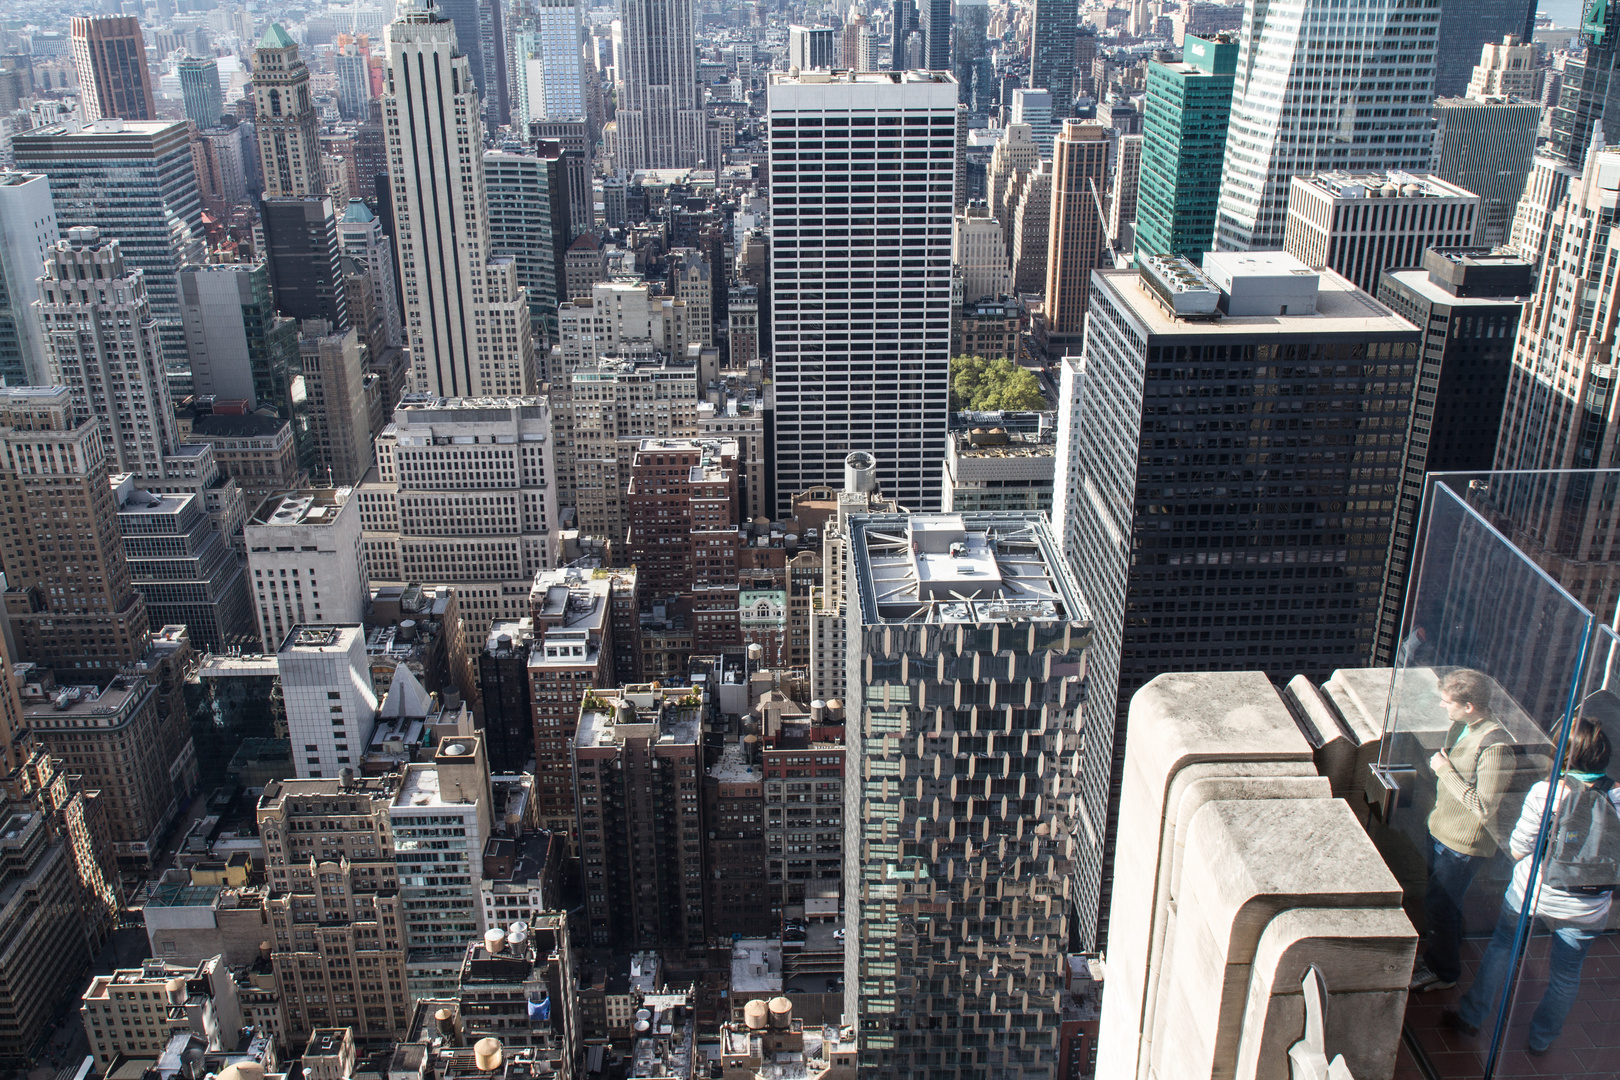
(1471, 774)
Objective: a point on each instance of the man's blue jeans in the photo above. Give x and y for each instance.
(1450, 875)
(1569, 948)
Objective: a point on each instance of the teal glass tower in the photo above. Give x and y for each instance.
(1183, 144)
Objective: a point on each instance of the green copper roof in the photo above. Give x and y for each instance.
(276, 38)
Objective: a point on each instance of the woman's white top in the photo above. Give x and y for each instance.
(1555, 904)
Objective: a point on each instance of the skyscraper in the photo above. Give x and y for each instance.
(103, 344)
(1465, 26)
(1078, 237)
(110, 56)
(307, 562)
(1184, 121)
(970, 57)
(1567, 421)
(1169, 524)
(1486, 147)
(481, 32)
(812, 48)
(199, 90)
(1468, 304)
(137, 183)
(1309, 81)
(340, 419)
(861, 324)
(285, 119)
(353, 68)
(357, 936)
(660, 114)
(528, 222)
(360, 237)
(301, 245)
(548, 67)
(466, 317)
(935, 24)
(902, 24)
(27, 234)
(239, 348)
(69, 598)
(1051, 53)
(967, 646)
(1362, 225)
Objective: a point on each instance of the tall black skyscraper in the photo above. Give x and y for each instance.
(936, 32)
(1466, 26)
(1051, 64)
(905, 24)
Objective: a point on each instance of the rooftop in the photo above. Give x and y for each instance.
(317, 506)
(664, 714)
(733, 766)
(305, 638)
(962, 568)
(1394, 184)
(999, 443)
(1340, 307)
(247, 425)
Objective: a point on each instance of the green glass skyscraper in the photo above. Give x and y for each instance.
(1183, 144)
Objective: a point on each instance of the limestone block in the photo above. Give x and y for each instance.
(1246, 863)
(1365, 957)
(1183, 732)
(1343, 752)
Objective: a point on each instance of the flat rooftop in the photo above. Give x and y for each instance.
(962, 568)
(1420, 283)
(1341, 308)
(317, 506)
(305, 638)
(1394, 184)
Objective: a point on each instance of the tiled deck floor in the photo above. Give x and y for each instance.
(1588, 1047)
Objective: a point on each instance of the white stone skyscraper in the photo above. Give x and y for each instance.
(466, 318)
(861, 282)
(102, 343)
(1322, 85)
(660, 114)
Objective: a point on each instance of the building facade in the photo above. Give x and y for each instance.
(102, 343)
(854, 371)
(332, 899)
(284, 119)
(1468, 304)
(109, 53)
(28, 232)
(136, 181)
(71, 602)
(1184, 123)
(1153, 567)
(1078, 237)
(299, 543)
(1279, 129)
(1361, 224)
(637, 764)
(660, 113)
(466, 316)
(964, 823)
(463, 493)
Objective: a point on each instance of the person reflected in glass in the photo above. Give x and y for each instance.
(1574, 916)
(1471, 772)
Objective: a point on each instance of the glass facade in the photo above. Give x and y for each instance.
(1501, 680)
(1184, 121)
